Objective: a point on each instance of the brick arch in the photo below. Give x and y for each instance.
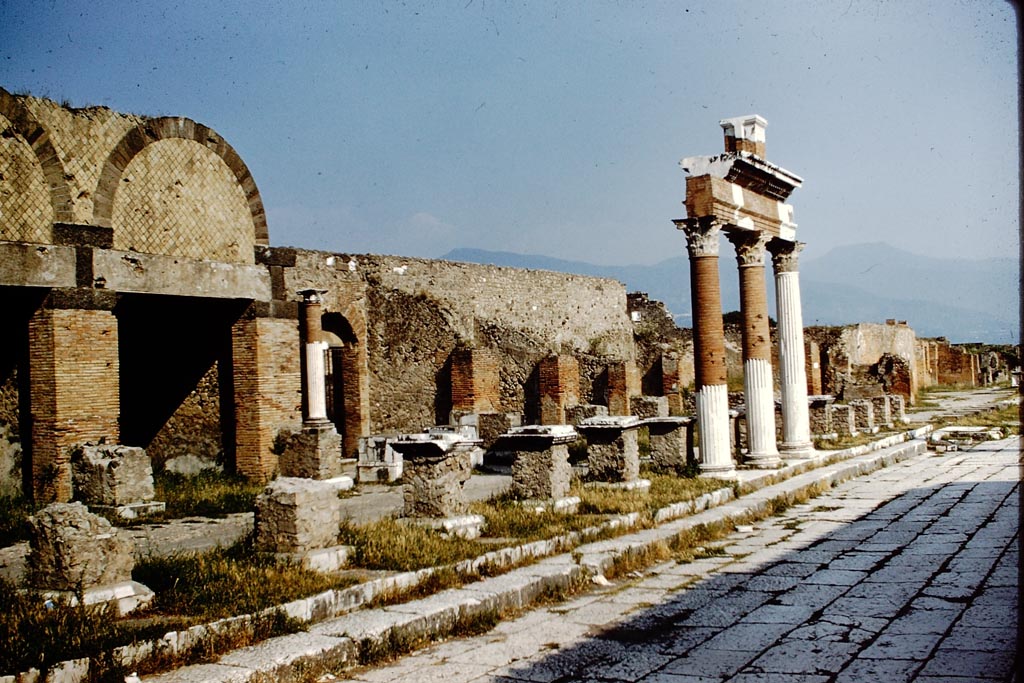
(38, 139)
(166, 128)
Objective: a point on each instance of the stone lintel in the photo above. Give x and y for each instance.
(36, 265)
(738, 207)
(129, 271)
(747, 171)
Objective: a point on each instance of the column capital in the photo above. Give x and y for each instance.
(312, 296)
(785, 255)
(749, 245)
(701, 235)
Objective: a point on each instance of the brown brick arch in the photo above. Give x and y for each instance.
(38, 139)
(165, 128)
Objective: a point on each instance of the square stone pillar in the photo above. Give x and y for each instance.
(74, 389)
(436, 469)
(476, 381)
(559, 377)
(898, 406)
(613, 452)
(671, 442)
(295, 515)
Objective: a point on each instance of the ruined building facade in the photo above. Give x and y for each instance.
(144, 306)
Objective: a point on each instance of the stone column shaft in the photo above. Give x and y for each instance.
(314, 390)
(796, 432)
(758, 390)
(712, 397)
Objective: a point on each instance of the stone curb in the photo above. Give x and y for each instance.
(339, 641)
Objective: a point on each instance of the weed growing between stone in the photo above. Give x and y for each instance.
(227, 581)
(1006, 417)
(14, 513)
(507, 519)
(393, 545)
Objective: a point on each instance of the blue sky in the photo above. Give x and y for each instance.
(556, 128)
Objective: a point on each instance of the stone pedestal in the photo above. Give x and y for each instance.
(540, 461)
(489, 426)
(898, 406)
(671, 442)
(378, 461)
(820, 408)
(71, 550)
(314, 452)
(298, 519)
(883, 410)
(114, 478)
(843, 419)
(437, 467)
(649, 406)
(577, 414)
(613, 453)
(864, 415)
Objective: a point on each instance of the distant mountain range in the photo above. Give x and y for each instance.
(963, 300)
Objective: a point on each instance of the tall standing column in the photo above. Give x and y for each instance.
(709, 347)
(796, 429)
(314, 391)
(758, 391)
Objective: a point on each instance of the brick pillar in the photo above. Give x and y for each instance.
(796, 426)
(559, 387)
(74, 390)
(267, 390)
(813, 367)
(758, 386)
(623, 382)
(476, 381)
(709, 346)
(672, 383)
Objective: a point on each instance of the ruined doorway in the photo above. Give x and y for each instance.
(344, 367)
(175, 363)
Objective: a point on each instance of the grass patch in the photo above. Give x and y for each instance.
(396, 546)
(847, 441)
(207, 494)
(1006, 417)
(665, 490)
(14, 514)
(505, 518)
(227, 581)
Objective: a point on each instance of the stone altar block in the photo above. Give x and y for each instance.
(864, 415)
(671, 442)
(437, 467)
(883, 410)
(71, 549)
(313, 452)
(114, 477)
(378, 461)
(820, 414)
(613, 453)
(843, 419)
(299, 518)
(540, 462)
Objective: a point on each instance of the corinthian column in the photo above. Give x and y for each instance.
(796, 431)
(708, 347)
(758, 391)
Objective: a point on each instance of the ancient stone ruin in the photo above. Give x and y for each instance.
(298, 519)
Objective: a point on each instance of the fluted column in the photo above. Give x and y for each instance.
(758, 390)
(314, 390)
(796, 430)
(708, 347)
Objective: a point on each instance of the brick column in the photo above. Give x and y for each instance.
(476, 381)
(75, 392)
(559, 387)
(796, 431)
(623, 382)
(758, 388)
(708, 347)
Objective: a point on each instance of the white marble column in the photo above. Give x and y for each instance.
(796, 429)
(712, 396)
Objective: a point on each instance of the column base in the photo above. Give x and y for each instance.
(763, 461)
(717, 471)
(796, 451)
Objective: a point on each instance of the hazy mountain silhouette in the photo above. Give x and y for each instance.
(964, 300)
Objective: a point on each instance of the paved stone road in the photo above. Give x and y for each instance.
(908, 574)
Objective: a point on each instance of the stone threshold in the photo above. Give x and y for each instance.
(339, 627)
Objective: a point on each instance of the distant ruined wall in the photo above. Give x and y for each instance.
(857, 357)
